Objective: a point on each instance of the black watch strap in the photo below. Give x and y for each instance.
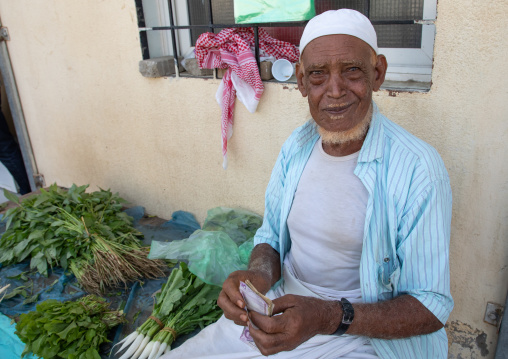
(348, 314)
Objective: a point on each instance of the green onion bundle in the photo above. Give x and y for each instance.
(87, 233)
(184, 303)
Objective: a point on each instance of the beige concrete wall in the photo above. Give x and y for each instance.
(93, 118)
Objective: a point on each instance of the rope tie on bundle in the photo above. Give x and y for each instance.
(157, 320)
(169, 330)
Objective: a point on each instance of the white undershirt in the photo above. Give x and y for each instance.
(326, 222)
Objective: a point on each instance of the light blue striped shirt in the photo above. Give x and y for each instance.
(407, 225)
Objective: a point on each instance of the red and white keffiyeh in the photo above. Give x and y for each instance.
(231, 49)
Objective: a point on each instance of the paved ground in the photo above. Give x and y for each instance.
(6, 182)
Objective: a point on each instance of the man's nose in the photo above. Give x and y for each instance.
(336, 86)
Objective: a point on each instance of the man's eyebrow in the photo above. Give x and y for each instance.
(316, 65)
(352, 62)
(320, 65)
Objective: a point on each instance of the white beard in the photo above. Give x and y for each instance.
(356, 133)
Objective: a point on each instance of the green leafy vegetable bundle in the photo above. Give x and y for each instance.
(184, 303)
(87, 233)
(70, 330)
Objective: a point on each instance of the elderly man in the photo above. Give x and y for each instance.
(355, 237)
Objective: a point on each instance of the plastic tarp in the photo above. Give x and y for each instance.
(10, 345)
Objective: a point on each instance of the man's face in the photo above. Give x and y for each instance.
(338, 74)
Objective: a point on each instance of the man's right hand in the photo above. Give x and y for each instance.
(230, 299)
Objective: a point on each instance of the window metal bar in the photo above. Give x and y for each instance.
(222, 26)
(270, 24)
(367, 8)
(256, 46)
(189, 19)
(210, 28)
(173, 37)
(143, 38)
(210, 23)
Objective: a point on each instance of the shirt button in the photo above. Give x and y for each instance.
(387, 260)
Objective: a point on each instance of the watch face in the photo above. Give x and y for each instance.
(348, 312)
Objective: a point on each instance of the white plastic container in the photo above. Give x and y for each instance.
(282, 70)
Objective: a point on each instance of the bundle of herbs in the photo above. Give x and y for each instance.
(70, 330)
(87, 233)
(183, 304)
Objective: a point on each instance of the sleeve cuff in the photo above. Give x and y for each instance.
(439, 305)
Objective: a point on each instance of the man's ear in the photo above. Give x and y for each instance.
(299, 79)
(380, 71)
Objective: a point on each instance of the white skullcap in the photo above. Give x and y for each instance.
(343, 22)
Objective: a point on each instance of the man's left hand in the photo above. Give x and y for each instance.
(301, 319)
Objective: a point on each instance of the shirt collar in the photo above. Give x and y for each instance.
(308, 134)
(372, 148)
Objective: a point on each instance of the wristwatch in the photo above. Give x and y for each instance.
(348, 314)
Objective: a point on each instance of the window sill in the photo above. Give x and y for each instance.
(406, 86)
(397, 86)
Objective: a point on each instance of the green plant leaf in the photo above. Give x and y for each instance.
(63, 261)
(38, 234)
(7, 256)
(20, 247)
(50, 351)
(9, 220)
(21, 276)
(40, 199)
(91, 353)
(90, 334)
(39, 263)
(21, 290)
(27, 252)
(38, 343)
(32, 299)
(11, 196)
(63, 334)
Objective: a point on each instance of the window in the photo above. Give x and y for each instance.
(405, 29)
